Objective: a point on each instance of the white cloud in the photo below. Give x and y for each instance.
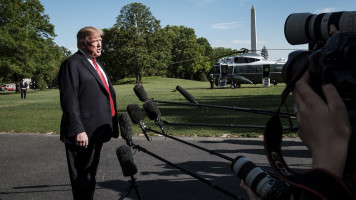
(326, 10)
(241, 41)
(227, 25)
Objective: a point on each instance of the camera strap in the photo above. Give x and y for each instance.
(319, 182)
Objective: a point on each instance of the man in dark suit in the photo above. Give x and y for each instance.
(89, 119)
(23, 87)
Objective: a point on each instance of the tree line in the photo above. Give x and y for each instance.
(27, 47)
(136, 46)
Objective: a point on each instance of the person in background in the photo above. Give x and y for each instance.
(212, 80)
(88, 102)
(23, 88)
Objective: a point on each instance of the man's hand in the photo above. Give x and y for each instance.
(324, 127)
(82, 140)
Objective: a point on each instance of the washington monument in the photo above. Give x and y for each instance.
(253, 30)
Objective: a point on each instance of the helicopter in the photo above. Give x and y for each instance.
(246, 68)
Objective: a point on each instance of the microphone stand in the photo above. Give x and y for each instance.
(193, 145)
(212, 152)
(133, 185)
(228, 125)
(256, 111)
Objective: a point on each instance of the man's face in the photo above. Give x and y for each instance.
(93, 47)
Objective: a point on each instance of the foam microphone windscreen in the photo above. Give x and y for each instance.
(186, 94)
(125, 126)
(126, 160)
(140, 93)
(135, 113)
(151, 109)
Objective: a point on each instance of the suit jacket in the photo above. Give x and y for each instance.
(85, 102)
(23, 85)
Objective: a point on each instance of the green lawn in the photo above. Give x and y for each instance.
(41, 112)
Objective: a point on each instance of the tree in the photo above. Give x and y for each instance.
(137, 46)
(185, 52)
(114, 57)
(264, 52)
(27, 47)
(138, 25)
(206, 62)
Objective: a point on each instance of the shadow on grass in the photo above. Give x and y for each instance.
(228, 115)
(9, 93)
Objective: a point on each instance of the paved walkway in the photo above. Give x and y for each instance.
(33, 166)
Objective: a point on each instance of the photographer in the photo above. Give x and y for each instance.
(323, 127)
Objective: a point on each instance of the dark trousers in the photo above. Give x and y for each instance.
(82, 165)
(212, 84)
(23, 93)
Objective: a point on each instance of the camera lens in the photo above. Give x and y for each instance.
(348, 22)
(301, 28)
(296, 28)
(253, 176)
(259, 181)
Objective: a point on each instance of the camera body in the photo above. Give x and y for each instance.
(331, 57)
(334, 63)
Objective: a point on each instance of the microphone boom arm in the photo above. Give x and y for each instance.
(143, 127)
(256, 111)
(229, 125)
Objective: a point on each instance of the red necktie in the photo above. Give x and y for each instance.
(106, 86)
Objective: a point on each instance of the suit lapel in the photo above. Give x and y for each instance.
(90, 67)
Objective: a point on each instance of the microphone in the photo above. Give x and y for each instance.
(152, 110)
(135, 113)
(126, 128)
(140, 93)
(186, 94)
(137, 117)
(126, 160)
(128, 167)
(153, 113)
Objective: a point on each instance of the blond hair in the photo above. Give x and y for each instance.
(84, 33)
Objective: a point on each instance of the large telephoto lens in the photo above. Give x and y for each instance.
(253, 176)
(301, 28)
(259, 181)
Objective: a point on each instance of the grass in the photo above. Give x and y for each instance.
(41, 112)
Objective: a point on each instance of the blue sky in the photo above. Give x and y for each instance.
(225, 23)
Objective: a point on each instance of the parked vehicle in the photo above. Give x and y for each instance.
(8, 87)
(247, 68)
